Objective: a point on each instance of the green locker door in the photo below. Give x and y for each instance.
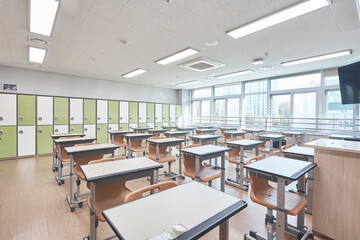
(124, 126)
(26, 110)
(113, 111)
(44, 141)
(133, 112)
(89, 111)
(178, 113)
(166, 113)
(142, 125)
(8, 141)
(76, 128)
(61, 111)
(150, 112)
(102, 133)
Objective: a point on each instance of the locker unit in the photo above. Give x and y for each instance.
(172, 114)
(150, 113)
(178, 115)
(113, 112)
(26, 140)
(90, 130)
(61, 129)
(124, 112)
(165, 114)
(8, 110)
(158, 113)
(76, 128)
(44, 140)
(142, 113)
(45, 110)
(112, 127)
(133, 113)
(102, 111)
(76, 111)
(26, 110)
(102, 133)
(8, 141)
(89, 111)
(124, 126)
(61, 111)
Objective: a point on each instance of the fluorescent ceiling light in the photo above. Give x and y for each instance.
(317, 58)
(37, 55)
(177, 56)
(234, 74)
(42, 16)
(279, 17)
(258, 61)
(187, 83)
(134, 73)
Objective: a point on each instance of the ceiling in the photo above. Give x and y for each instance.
(88, 29)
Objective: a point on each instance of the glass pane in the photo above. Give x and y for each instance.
(255, 108)
(304, 110)
(196, 112)
(256, 86)
(340, 117)
(201, 93)
(303, 81)
(205, 111)
(280, 110)
(233, 111)
(220, 111)
(331, 80)
(228, 90)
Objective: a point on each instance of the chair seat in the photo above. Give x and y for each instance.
(163, 159)
(79, 173)
(206, 174)
(234, 159)
(267, 150)
(139, 149)
(121, 144)
(65, 159)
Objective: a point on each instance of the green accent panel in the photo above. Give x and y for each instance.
(158, 125)
(77, 128)
(173, 124)
(142, 124)
(44, 141)
(113, 111)
(61, 111)
(124, 126)
(102, 133)
(89, 111)
(166, 113)
(26, 110)
(133, 112)
(8, 141)
(178, 112)
(150, 114)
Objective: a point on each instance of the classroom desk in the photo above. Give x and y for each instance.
(307, 154)
(106, 173)
(205, 131)
(253, 131)
(156, 131)
(169, 127)
(167, 142)
(205, 139)
(210, 209)
(242, 145)
(272, 138)
(189, 129)
(336, 188)
(57, 136)
(203, 126)
(68, 142)
(344, 137)
(204, 153)
(234, 134)
(294, 136)
(85, 151)
(135, 136)
(223, 129)
(140, 129)
(175, 134)
(283, 171)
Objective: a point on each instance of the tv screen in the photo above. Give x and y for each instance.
(349, 78)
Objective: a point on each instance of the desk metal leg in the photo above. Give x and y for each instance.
(223, 172)
(157, 160)
(309, 189)
(301, 192)
(59, 178)
(216, 160)
(271, 146)
(293, 140)
(197, 169)
(224, 230)
(280, 212)
(180, 161)
(280, 145)
(239, 181)
(129, 150)
(92, 213)
(70, 198)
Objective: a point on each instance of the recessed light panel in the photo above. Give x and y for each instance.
(42, 16)
(134, 73)
(187, 83)
(317, 58)
(234, 74)
(37, 55)
(177, 56)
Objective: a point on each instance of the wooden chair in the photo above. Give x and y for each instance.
(140, 192)
(285, 147)
(163, 157)
(119, 141)
(265, 150)
(136, 146)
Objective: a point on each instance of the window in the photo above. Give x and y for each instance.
(201, 93)
(233, 110)
(303, 81)
(342, 115)
(205, 111)
(228, 90)
(220, 110)
(196, 111)
(331, 80)
(304, 107)
(280, 110)
(256, 86)
(255, 105)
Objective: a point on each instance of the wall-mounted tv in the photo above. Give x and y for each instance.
(349, 78)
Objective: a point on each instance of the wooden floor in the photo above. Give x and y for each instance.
(33, 206)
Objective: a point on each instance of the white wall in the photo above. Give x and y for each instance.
(55, 84)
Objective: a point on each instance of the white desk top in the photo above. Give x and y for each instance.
(227, 128)
(176, 132)
(186, 128)
(54, 136)
(274, 136)
(206, 130)
(205, 150)
(130, 135)
(290, 133)
(244, 143)
(167, 140)
(78, 139)
(302, 151)
(86, 148)
(205, 136)
(189, 204)
(93, 172)
(253, 130)
(336, 145)
(234, 132)
(155, 130)
(120, 131)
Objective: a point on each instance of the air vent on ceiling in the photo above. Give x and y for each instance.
(202, 64)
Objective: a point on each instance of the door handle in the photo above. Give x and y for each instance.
(56, 118)
(40, 118)
(56, 130)
(72, 118)
(21, 118)
(109, 128)
(98, 129)
(21, 132)
(110, 118)
(71, 130)
(120, 118)
(1, 132)
(120, 127)
(85, 118)
(98, 118)
(39, 131)
(85, 129)
(1, 119)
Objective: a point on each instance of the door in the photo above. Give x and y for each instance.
(76, 111)
(172, 114)
(89, 111)
(90, 130)
(8, 110)
(26, 110)
(44, 141)
(165, 114)
(76, 128)
(133, 112)
(45, 113)
(142, 113)
(102, 111)
(150, 115)
(102, 133)
(178, 115)
(124, 112)
(26, 140)
(124, 126)
(61, 129)
(158, 113)
(61, 111)
(113, 112)
(8, 141)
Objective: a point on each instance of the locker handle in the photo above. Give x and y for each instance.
(72, 130)
(110, 128)
(120, 118)
(120, 127)
(98, 129)
(21, 132)
(130, 118)
(1, 132)
(85, 129)
(21, 118)
(56, 130)
(140, 118)
(1, 118)
(110, 118)
(39, 131)
(72, 118)
(56, 118)
(85, 118)
(148, 118)
(40, 118)
(98, 118)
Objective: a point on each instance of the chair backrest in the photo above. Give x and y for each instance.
(152, 152)
(135, 143)
(285, 147)
(64, 154)
(140, 192)
(258, 185)
(258, 139)
(86, 160)
(254, 159)
(234, 152)
(118, 140)
(107, 159)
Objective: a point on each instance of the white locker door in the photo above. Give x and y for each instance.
(112, 127)
(172, 113)
(124, 112)
(8, 109)
(90, 130)
(61, 129)
(158, 113)
(102, 111)
(26, 140)
(76, 111)
(150, 125)
(133, 125)
(45, 110)
(142, 112)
